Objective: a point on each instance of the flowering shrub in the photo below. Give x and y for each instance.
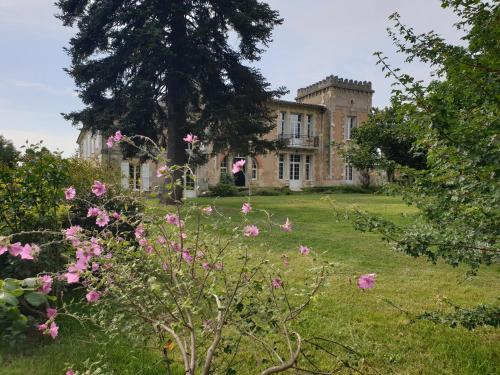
(191, 282)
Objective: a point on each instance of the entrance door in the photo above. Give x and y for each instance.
(239, 178)
(295, 177)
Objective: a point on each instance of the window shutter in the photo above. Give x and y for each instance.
(346, 128)
(125, 174)
(145, 176)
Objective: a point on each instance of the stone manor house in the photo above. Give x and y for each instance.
(322, 114)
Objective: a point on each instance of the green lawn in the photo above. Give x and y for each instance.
(363, 320)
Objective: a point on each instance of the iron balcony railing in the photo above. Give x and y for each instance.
(295, 140)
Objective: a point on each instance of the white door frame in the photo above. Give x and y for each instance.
(295, 171)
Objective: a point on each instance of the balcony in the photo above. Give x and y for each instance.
(299, 141)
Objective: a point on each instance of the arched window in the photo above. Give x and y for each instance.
(254, 169)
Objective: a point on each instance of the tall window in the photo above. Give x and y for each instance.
(134, 175)
(254, 169)
(308, 167)
(223, 166)
(295, 167)
(348, 171)
(282, 122)
(351, 124)
(296, 122)
(281, 166)
(310, 128)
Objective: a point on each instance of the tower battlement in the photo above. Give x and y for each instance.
(335, 81)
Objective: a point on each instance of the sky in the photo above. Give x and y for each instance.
(318, 38)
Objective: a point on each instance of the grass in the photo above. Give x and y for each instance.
(363, 320)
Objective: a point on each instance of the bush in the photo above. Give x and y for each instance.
(225, 187)
(343, 189)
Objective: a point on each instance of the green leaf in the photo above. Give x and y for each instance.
(36, 298)
(7, 298)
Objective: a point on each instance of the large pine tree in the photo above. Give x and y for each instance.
(164, 68)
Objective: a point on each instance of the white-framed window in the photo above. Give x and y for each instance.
(351, 124)
(281, 166)
(282, 122)
(134, 176)
(348, 171)
(296, 122)
(295, 167)
(254, 169)
(308, 167)
(310, 128)
(223, 165)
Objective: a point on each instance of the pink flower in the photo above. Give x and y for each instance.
(161, 240)
(237, 167)
(139, 232)
(70, 372)
(367, 281)
(93, 211)
(110, 141)
(304, 250)
(15, 249)
(174, 220)
(162, 171)
(46, 284)
(95, 267)
(73, 275)
(118, 136)
(70, 193)
(27, 252)
(190, 138)
(187, 257)
(51, 313)
(250, 231)
(93, 296)
(3, 249)
(150, 249)
(207, 210)
(175, 246)
(102, 219)
(287, 227)
(246, 208)
(277, 283)
(99, 188)
(53, 330)
(205, 265)
(116, 215)
(43, 327)
(143, 242)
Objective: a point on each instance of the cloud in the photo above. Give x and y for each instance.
(41, 87)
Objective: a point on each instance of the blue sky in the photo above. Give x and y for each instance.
(318, 38)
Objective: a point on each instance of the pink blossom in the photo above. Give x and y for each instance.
(304, 250)
(3, 249)
(93, 296)
(238, 166)
(46, 284)
(116, 215)
(246, 208)
(110, 141)
(93, 211)
(95, 267)
(102, 219)
(287, 226)
(250, 231)
(98, 188)
(190, 138)
(70, 193)
(53, 330)
(149, 249)
(118, 136)
(205, 265)
(143, 242)
(174, 220)
(27, 252)
(51, 313)
(15, 249)
(162, 171)
(43, 327)
(208, 210)
(200, 254)
(367, 281)
(72, 276)
(161, 240)
(277, 283)
(72, 232)
(175, 246)
(70, 372)
(139, 232)
(187, 257)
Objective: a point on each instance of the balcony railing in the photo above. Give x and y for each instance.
(300, 141)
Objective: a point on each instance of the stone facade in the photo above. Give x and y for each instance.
(321, 115)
